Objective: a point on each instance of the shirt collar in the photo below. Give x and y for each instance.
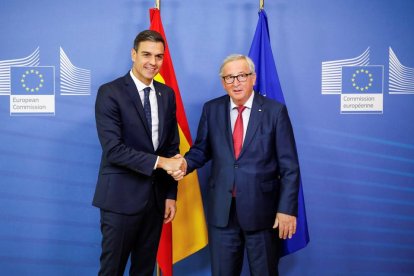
(247, 104)
(140, 85)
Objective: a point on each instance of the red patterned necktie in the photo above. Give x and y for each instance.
(238, 132)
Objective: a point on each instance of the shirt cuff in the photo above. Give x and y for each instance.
(156, 162)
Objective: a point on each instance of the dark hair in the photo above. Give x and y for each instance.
(148, 35)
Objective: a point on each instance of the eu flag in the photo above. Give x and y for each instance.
(32, 80)
(267, 84)
(362, 79)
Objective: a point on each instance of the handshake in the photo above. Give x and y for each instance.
(175, 166)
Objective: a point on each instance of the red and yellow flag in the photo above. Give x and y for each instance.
(188, 232)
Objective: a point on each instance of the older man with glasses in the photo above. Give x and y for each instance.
(253, 187)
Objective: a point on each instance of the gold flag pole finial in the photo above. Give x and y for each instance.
(261, 4)
(158, 4)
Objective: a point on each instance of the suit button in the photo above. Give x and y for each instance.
(236, 166)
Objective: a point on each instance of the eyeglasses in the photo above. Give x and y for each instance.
(241, 78)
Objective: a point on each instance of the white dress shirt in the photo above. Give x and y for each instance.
(154, 107)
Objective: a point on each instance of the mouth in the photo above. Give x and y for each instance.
(151, 69)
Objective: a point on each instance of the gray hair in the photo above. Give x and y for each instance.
(234, 57)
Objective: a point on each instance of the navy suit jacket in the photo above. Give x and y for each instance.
(126, 177)
(266, 173)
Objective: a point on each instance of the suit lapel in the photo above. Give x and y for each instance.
(161, 111)
(256, 114)
(133, 94)
(227, 124)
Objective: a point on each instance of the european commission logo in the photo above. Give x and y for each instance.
(32, 90)
(361, 85)
(362, 89)
(32, 87)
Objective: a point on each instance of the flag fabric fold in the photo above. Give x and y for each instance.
(267, 84)
(188, 232)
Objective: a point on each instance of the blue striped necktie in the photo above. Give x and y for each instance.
(147, 107)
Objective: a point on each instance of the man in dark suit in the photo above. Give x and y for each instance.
(137, 129)
(253, 187)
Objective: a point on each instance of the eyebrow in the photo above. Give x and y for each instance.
(235, 74)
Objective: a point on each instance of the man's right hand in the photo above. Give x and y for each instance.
(179, 174)
(176, 165)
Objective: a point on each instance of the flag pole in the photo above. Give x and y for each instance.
(261, 4)
(157, 6)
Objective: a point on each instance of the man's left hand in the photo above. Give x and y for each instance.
(170, 210)
(286, 224)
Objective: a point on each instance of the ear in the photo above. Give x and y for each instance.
(133, 54)
(254, 79)
(223, 83)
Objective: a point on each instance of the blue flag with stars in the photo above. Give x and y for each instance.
(362, 79)
(32, 80)
(267, 84)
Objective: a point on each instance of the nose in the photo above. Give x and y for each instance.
(152, 60)
(236, 82)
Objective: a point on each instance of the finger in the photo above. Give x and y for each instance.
(170, 216)
(167, 220)
(280, 233)
(276, 224)
(176, 173)
(283, 231)
(178, 176)
(290, 234)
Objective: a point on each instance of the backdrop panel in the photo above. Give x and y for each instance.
(355, 146)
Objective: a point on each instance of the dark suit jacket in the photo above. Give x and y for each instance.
(266, 174)
(126, 175)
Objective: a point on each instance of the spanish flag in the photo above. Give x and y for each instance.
(188, 232)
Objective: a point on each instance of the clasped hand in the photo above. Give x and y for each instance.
(175, 166)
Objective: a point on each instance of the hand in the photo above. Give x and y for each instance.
(170, 210)
(179, 174)
(286, 224)
(172, 164)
